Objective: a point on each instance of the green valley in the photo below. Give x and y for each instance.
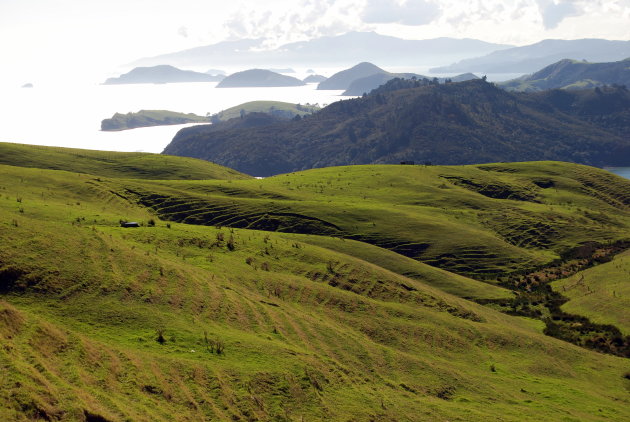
(602, 293)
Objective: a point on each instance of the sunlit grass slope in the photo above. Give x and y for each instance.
(476, 220)
(601, 293)
(102, 323)
(449, 282)
(113, 164)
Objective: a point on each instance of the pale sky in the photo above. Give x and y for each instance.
(52, 33)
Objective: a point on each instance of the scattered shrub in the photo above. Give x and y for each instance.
(213, 346)
(230, 243)
(160, 336)
(330, 267)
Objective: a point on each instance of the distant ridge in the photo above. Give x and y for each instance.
(364, 77)
(366, 85)
(531, 58)
(573, 74)
(339, 50)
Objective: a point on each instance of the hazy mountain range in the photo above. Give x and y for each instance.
(531, 58)
(341, 50)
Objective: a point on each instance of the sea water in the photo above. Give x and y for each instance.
(620, 171)
(69, 115)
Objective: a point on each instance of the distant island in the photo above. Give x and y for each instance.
(162, 74)
(343, 79)
(573, 74)
(310, 79)
(258, 78)
(275, 108)
(147, 118)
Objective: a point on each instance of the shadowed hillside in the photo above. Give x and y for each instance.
(456, 123)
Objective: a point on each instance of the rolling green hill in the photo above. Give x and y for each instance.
(180, 322)
(456, 123)
(601, 293)
(473, 220)
(113, 164)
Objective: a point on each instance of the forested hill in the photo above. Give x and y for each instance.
(455, 123)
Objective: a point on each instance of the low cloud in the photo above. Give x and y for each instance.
(305, 20)
(553, 12)
(412, 12)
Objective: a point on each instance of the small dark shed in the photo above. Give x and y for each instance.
(129, 224)
(407, 163)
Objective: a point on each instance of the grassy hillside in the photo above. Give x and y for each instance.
(179, 322)
(601, 293)
(448, 282)
(474, 220)
(113, 164)
(275, 108)
(147, 118)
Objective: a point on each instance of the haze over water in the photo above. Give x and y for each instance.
(70, 115)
